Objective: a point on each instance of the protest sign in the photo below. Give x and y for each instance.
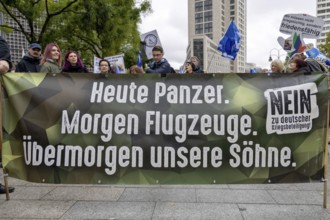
(117, 63)
(182, 129)
(308, 26)
(150, 40)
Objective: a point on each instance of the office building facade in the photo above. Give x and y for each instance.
(323, 12)
(211, 18)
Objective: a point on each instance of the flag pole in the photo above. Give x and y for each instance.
(208, 65)
(5, 175)
(326, 162)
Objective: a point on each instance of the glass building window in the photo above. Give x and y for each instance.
(208, 16)
(198, 6)
(208, 27)
(199, 17)
(199, 29)
(199, 50)
(208, 5)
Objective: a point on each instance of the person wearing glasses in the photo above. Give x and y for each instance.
(30, 63)
(159, 63)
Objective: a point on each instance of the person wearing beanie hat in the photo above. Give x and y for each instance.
(30, 63)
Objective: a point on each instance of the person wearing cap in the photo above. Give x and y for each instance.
(30, 63)
(5, 59)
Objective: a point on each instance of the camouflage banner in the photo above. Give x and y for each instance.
(182, 129)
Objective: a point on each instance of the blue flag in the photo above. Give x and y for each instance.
(139, 61)
(252, 70)
(181, 70)
(230, 42)
(318, 55)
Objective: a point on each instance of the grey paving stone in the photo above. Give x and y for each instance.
(31, 209)
(233, 196)
(200, 211)
(30, 193)
(110, 210)
(311, 186)
(209, 186)
(159, 194)
(78, 193)
(297, 197)
(280, 212)
(17, 182)
(263, 186)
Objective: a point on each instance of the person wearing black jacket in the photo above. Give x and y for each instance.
(160, 64)
(197, 68)
(5, 66)
(73, 63)
(5, 59)
(30, 63)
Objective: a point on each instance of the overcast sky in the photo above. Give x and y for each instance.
(170, 19)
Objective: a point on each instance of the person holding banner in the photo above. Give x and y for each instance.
(195, 61)
(189, 66)
(30, 63)
(312, 64)
(160, 64)
(5, 66)
(5, 59)
(73, 63)
(52, 59)
(299, 66)
(135, 70)
(277, 66)
(105, 67)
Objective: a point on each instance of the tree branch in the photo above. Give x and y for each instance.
(15, 19)
(9, 27)
(50, 16)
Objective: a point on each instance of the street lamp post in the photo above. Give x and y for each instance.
(278, 54)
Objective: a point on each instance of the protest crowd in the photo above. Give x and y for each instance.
(53, 61)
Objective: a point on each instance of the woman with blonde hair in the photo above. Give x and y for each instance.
(52, 59)
(277, 66)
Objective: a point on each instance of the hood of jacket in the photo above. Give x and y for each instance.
(31, 59)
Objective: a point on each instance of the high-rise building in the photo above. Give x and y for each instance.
(210, 19)
(323, 12)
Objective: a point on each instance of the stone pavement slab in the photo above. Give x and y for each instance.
(297, 197)
(198, 211)
(281, 212)
(233, 196)
(83, 193)
(159, 195)
(32, 209)
(110, 210)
